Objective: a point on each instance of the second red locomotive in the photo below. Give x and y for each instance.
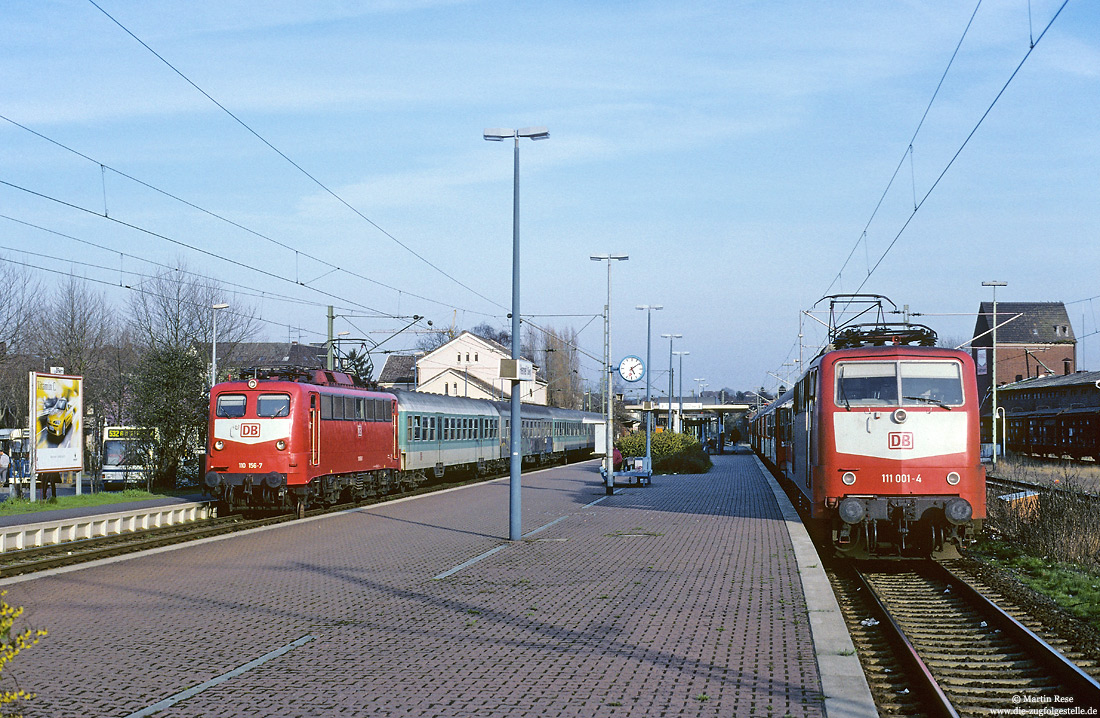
(879, 441)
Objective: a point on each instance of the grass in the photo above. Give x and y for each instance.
(1053, 544)
(15, 506)
(1073, 586)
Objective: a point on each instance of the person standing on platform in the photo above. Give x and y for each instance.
(5, 467)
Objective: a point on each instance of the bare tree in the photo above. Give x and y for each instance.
(555, 351)
(174, 310)
(19, 290)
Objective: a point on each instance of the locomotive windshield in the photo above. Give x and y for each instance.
(916, 383)
(230, 406)
(272, 405)
(928, 382)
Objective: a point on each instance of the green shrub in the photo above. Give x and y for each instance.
(672, 453)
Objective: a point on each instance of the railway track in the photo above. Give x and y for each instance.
(933, 645)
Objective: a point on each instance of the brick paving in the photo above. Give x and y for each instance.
(677, 599)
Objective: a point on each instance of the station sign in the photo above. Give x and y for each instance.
(517, 370)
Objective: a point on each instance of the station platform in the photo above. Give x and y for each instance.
(699, 595)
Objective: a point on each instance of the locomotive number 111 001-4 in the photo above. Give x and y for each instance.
(901, 478)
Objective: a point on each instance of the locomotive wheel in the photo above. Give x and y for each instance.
(300, 511)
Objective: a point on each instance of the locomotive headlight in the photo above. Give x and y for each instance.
(851, 511)
(281, 444)
(900, 415)
(953, 478)
(958, 511)
(848, 478)
(219, 445)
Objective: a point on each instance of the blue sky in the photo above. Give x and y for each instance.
(735, 150)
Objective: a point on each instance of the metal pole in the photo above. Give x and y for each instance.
(680, 412)
(670, 383)
(214, 348)
(329, 359)
(516, 466)
(993, 415)
(609, 487)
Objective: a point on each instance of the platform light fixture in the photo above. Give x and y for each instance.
(680, 411)
(648, 309)
(670, 337)
(515, 467)
(609, 448)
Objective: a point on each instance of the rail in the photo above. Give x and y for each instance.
(52, 533)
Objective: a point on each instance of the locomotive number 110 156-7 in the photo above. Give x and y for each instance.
(901, 478)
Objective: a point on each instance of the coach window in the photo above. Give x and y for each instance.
(272, 405)
(230, 406)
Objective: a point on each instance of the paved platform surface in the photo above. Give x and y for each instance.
(683, 598)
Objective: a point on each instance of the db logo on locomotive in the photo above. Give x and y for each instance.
(900, 440)
(251, 431)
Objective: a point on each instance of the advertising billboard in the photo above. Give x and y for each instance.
(57, 408)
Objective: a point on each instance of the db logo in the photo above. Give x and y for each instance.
(900, 440)
(252, 431)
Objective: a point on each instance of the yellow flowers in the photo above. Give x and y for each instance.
(11, 645)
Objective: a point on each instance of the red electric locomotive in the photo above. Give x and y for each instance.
(288, 439)
(879, 440)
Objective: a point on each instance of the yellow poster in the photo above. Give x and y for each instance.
(57, 405)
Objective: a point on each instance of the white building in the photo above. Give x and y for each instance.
(469, 366)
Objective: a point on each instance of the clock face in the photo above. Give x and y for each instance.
(631, 368)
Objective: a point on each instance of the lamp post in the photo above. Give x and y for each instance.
(648, 309)
(609, 449)
(670, 337)
(993, 415)
(680, 411)
(514, 507)
(214, 343)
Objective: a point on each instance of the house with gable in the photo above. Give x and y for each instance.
(467, 366)
(1034, 339)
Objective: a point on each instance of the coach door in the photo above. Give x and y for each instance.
(314, 429)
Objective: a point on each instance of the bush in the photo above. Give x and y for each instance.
(672, 453)
(1058, 524)
(10, 646)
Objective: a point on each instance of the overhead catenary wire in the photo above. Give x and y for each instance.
(222, 218)
(908, 153)
(240, 288)
(181, 243)
(141, 290)
(294, 164)
(962, 146)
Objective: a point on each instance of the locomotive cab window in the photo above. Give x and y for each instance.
(269, 406)
(907, 383)
(937, 383)
(230, 406)
(866, 384)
